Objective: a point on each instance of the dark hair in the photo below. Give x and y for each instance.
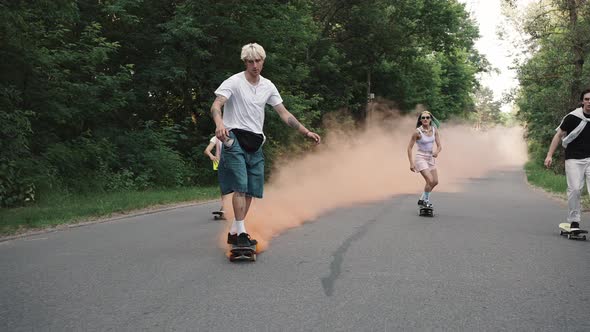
(583, 93)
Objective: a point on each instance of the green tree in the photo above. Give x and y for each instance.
(55, 70)
(553, 76)
(115, 94)
(488, 112)
(407, 51)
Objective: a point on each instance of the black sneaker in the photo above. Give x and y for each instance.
(574, 224)
(426, 204)
(420, 202)
(244, 240)
(232, 238)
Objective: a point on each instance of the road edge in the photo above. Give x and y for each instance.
(99, 220)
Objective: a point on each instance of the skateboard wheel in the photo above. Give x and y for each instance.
(254, 257)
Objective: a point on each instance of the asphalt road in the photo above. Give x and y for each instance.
(491, 259)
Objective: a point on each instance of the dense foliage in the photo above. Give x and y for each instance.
(115, 94)
(552, 78)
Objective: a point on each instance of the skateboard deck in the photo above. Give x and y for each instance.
(218, 215)
(426, 212)
(572, 233)
(238, 253)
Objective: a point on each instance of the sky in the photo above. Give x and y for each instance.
(488, 15)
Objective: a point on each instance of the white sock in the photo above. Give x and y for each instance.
(240, 227)
(234, 228)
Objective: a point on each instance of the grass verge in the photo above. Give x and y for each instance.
(65, 209)
(539, 176)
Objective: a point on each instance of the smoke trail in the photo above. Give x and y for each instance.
(359, 165)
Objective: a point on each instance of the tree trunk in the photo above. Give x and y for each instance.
(369, 84)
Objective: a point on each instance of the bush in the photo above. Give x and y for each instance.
(80, 164)
(146, 154)
(166, 167)
(103, 162)
(201, 170)
(16, 187)
(125, 180)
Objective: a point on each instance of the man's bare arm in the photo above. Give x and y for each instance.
(216, 109)
(554, 143)
(290, 120)
(293, 123)
(216, 114)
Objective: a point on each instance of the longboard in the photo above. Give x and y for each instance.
(238, 253)
(572, 233)
(218, 215)
(426, 212)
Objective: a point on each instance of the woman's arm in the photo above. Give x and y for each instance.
(410, 147)
(208, 150)
(438, 144)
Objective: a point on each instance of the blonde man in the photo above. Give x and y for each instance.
(243, 98)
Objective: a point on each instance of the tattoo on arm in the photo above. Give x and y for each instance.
(217, 105)
(215, 111)
(293, 123)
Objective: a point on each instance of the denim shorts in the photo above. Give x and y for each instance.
(240, 171)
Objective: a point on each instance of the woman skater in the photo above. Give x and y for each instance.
(425, 136)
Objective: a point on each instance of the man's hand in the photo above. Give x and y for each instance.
(313, 136)
(412, 167)
(548, 161)
(221, 133)
(559, 135)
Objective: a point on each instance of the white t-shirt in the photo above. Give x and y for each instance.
(244, 108)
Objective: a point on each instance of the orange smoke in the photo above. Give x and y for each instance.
(353, 166)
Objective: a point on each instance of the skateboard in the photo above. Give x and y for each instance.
(572, 233)
(218, 215)
(426, 211)
(238, 253)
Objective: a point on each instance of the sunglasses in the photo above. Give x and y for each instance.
(424, 117)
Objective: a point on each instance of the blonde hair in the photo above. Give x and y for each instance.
(252, 51)
(433, 121)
